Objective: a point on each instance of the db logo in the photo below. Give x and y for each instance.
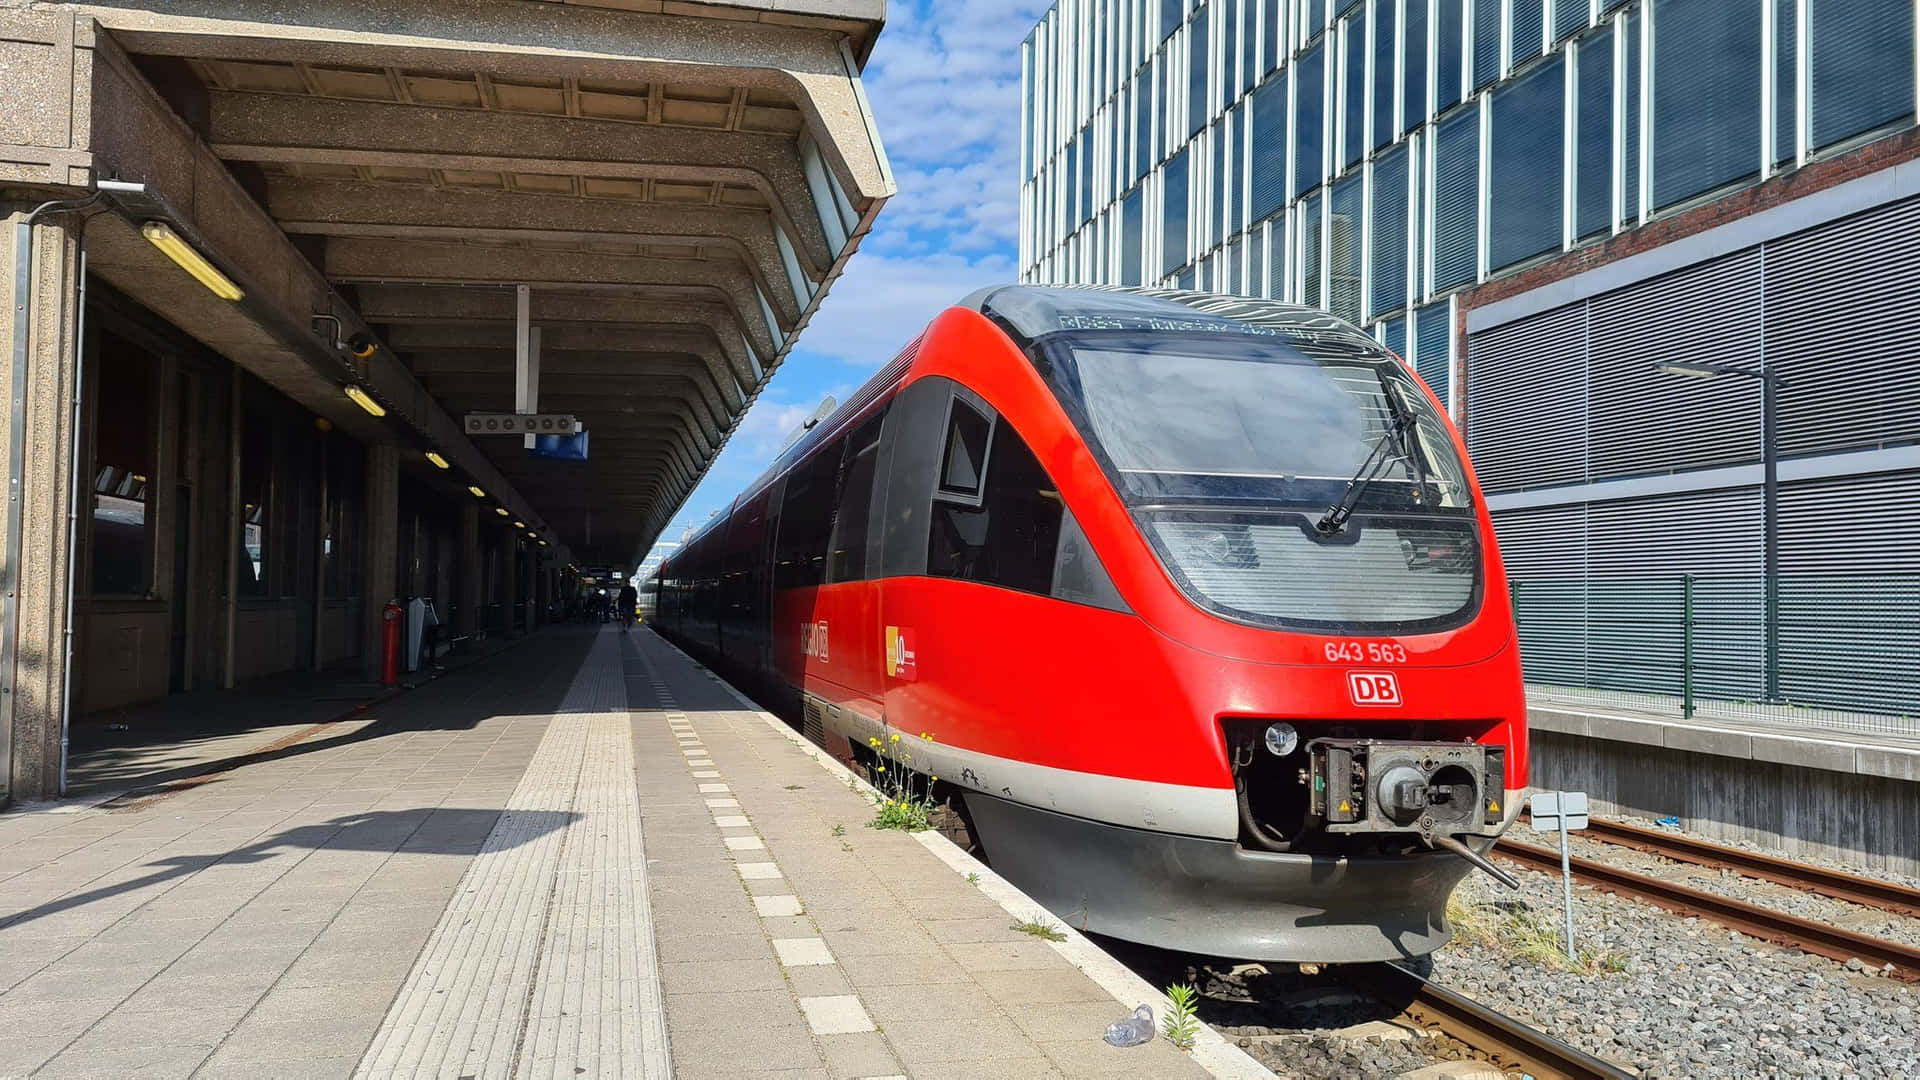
(1373, 687)
(813, 640)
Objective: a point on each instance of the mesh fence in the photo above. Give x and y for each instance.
(1847, 652)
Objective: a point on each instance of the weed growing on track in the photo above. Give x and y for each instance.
(1180, 1026)
(903, 802)
(839, 830)
(1520, 932)
(1039, 927)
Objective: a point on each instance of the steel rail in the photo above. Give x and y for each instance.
(1853, 888)
(1510, 1043)
(1750, 919)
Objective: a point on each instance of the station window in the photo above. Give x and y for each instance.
(1389, 236)
(257, 552)
(1413, 88)
(1569, 18)
(1528, 24)
(1130, 214)
(1173, 252)
(1384, 32)
(340, 547)
(1309, 118)
(1353, 95)
(1528, 162)
(1011, 536)
(1593, 141)
(1343, 249)
(1450, 54)
(1433, 348)
(123, 464)
(1197, 74)
(1860, 67)
(1786, 80)
(1268, 146)
(1486, 42)
(1706, 96)
(1312, 248)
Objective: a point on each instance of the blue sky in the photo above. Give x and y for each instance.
(944, 81)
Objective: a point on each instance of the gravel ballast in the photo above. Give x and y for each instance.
(1679, 997)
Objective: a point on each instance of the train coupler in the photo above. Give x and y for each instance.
(1387, 786)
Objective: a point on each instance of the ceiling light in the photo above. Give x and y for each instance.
(501, 510)
(364, 400)
(519, 524)
(438, 461)
(477, 492)
(183, 255)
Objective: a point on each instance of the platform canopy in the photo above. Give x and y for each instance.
(675, 186)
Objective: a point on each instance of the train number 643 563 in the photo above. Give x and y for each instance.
(1365, 652)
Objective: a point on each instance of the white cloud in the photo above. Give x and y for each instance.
(883, 301)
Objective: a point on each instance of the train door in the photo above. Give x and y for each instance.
(852, 605)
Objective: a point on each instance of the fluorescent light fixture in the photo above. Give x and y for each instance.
(501, 510)
(438, 461)
(519, 524)
(478, 493)
(161, 236)
(364, 400)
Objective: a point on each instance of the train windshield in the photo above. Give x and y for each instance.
(1233, 448)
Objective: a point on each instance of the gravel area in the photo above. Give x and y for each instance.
(1866, 920)
(1676, 997)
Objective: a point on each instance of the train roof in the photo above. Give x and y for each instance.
(1034, 311)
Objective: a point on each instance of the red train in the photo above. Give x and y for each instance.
(1196, 594)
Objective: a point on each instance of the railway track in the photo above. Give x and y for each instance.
(1853, 888)
(1507, 1042)
(1833, 942)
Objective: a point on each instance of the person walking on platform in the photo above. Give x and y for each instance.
(629, 599)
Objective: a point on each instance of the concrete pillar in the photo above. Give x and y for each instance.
(381, 554)
(39, 328)
(467, 595)
(509, 578)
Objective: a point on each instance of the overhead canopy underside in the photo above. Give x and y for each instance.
(677, 191)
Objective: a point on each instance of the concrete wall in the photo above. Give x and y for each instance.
(1864, 819)
(122, 656)
(268, 639)
(340, 631)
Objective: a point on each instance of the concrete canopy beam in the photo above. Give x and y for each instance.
(344, 208)
(603, 312)
(687, 375)
(810, 67)
(323, 131)
(367, 260)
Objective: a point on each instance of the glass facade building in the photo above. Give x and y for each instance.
(1544, 205)
(1374, 157)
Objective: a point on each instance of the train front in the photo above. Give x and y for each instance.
(1294, 521)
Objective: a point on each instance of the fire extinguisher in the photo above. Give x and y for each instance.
(390, 641)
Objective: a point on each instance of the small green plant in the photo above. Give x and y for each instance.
(1039, 927)
(1180, 1026)
(973, 879)
(839, 830)
(1524, 934)
(793, 787)
(902, 804)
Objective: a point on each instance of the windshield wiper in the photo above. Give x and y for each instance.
(1335, 519)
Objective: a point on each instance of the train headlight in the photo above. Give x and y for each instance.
(1281, 739)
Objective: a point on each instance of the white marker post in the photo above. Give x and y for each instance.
(1561, 811)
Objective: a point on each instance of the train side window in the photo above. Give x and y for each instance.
(1011, 535)
(966, 453)
(806, 519)
(847, 556)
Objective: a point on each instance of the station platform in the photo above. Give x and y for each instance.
(586, 857)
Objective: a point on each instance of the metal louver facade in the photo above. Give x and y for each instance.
(1628, 501)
